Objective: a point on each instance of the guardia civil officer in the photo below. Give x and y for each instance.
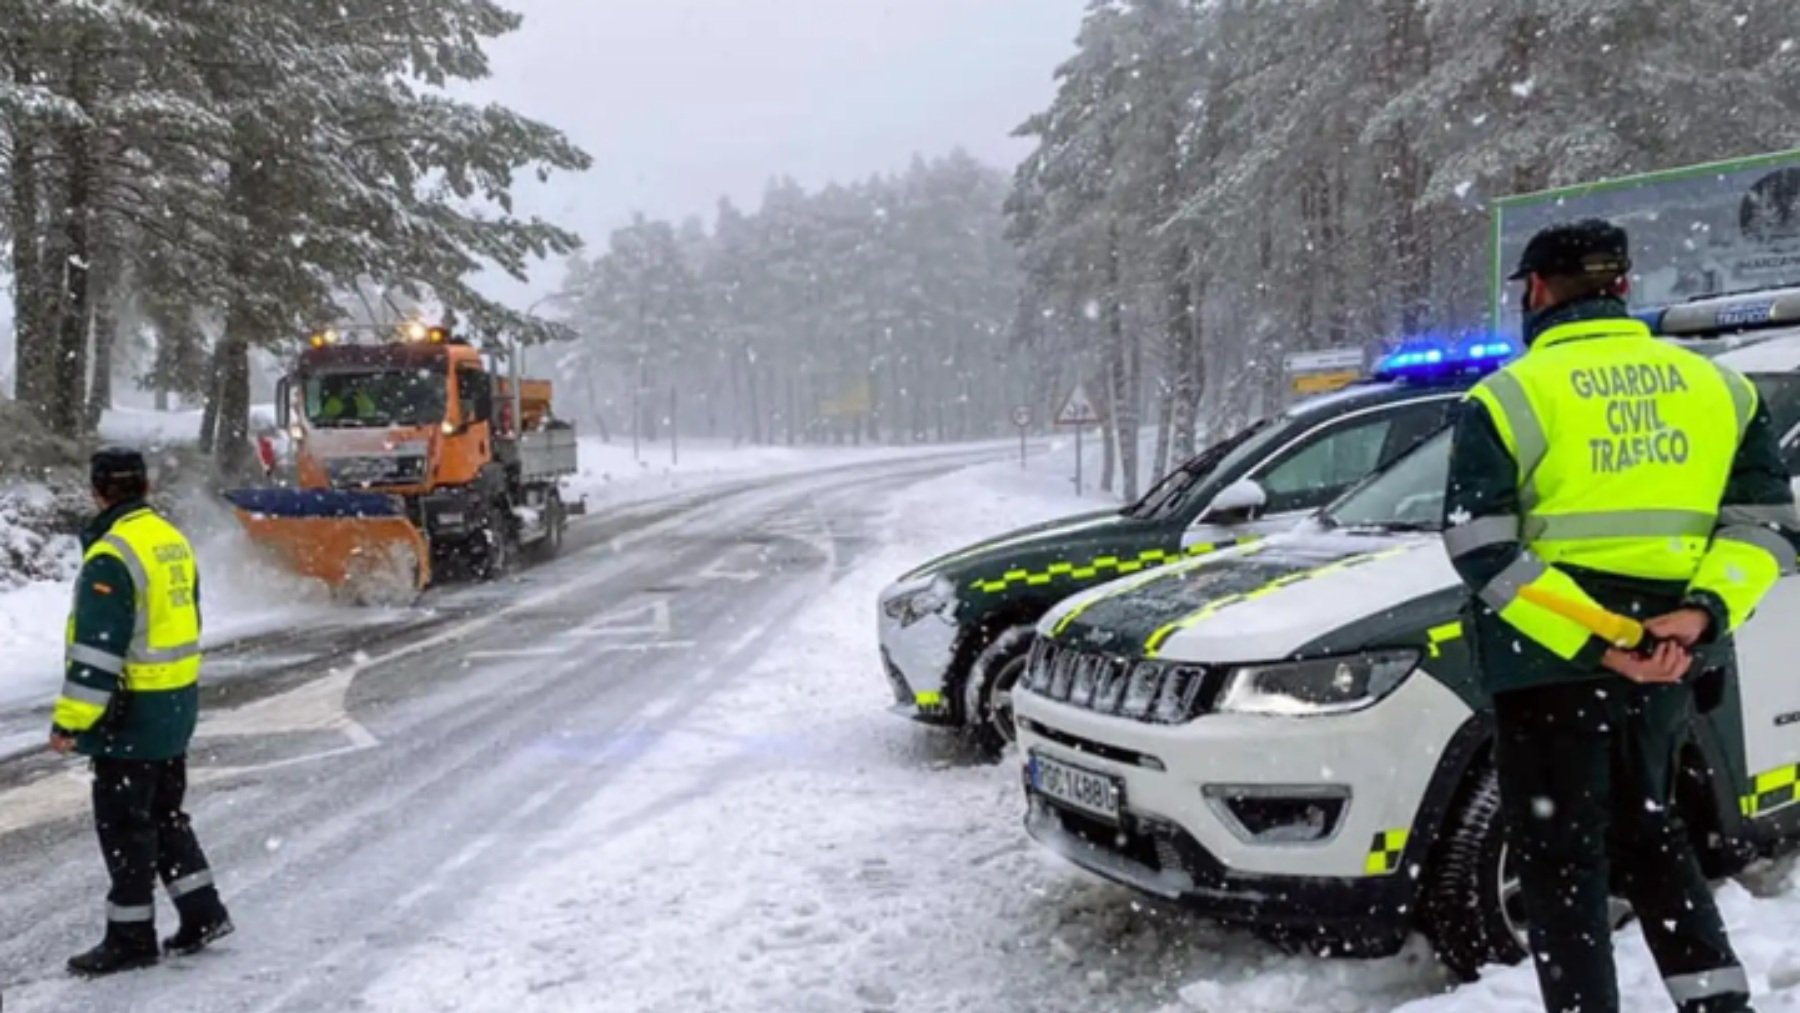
(1613, 469)
(130, 700)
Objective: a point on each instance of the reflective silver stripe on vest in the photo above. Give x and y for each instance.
(162, 656)
(140, 653)
(1620, 524)
(140, 583)
(1528, 435)
(1783, 514)
(1743, 397)
(94, 657)
(1480, 533)
(75, 691)
(140, 578)
(188, 884)
(118, 913)
(1688, 988)
(1770, 542)
(1503, 590)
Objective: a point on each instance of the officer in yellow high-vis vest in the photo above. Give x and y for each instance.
(1611, 469)
(130, 700)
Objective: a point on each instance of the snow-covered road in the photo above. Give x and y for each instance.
(656, 775)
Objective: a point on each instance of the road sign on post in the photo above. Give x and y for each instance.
(1078, 411)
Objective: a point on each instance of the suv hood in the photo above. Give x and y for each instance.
(1258, 602)
(1002, 552)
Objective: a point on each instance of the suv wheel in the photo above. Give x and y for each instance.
(992, 679)
(1473, 908)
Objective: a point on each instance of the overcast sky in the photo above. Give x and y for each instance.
(682, 101)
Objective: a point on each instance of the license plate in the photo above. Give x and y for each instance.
(1095, 794)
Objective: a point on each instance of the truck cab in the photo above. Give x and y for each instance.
(414, 448)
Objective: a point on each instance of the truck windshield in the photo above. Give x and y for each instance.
(1408, 496)
(375, 398)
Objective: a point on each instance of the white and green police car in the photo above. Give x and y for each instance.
(1290, 735)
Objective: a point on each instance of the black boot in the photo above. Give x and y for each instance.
(199, 929)
(125, 948)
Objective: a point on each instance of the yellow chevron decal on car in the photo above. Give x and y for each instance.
(1385, 853)
(1774, 789)
(1203, 554)
(1149, 559)
(1153, 646)
(1438, 636)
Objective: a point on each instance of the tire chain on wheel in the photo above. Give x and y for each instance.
(1466, 933)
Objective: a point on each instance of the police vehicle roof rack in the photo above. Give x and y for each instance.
(1718, 316)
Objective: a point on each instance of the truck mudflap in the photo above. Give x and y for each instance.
(359, 544)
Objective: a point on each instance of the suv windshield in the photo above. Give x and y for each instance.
(1170, 495)
(365, 399)
(1409, 496)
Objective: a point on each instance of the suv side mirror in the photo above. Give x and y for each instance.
(1236, 503)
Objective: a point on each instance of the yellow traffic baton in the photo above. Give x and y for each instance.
(1620, 631)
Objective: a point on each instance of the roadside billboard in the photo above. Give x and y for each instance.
(1698, 231)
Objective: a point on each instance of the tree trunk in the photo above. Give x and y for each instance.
(74, 257)
(209, 413)
(231, 444)
(104, 330)
(1190, 373)
(32, 383)
(1125, 352)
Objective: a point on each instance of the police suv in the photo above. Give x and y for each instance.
(955, 632)
(1290, 735)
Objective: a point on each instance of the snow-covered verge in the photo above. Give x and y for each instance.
(796, 848)
(612, 474)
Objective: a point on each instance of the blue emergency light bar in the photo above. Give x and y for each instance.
(1434, 359)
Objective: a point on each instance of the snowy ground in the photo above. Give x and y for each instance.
(796, 848)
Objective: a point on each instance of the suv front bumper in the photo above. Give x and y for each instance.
(917, 660)
(1186, 796)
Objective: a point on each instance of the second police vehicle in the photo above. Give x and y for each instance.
(1290, 734)
(955, 631)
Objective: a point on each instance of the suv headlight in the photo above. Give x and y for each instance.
(1318, 686)
(912, 604)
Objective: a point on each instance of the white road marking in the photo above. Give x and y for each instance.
(533, 652)
(626, 622)
(717, 571)
(654, 645)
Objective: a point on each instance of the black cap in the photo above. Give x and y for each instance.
(112, 463)
(1592, 247)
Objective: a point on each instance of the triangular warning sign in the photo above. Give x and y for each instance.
(1079, 409)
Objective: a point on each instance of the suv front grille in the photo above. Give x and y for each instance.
(1138, 689)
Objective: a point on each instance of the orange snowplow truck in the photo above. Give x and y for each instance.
(413, 461)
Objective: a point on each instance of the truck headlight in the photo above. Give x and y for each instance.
(1318, 686)
(912, 604)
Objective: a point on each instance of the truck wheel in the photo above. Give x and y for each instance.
(1472, 910)
(496, 545)
(987, 700)
(556, 523)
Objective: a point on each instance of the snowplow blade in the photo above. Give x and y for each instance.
(357, 543)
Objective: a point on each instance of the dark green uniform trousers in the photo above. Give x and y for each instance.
(1586, 771)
